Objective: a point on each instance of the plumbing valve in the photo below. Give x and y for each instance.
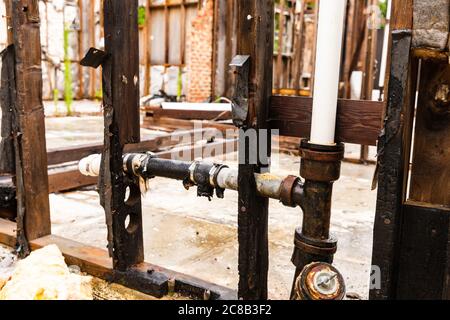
(319, 281)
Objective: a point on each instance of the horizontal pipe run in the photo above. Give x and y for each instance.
(147, 166)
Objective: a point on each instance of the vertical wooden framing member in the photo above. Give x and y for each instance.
(33, 216)
(280, 67)
(92, 41)
(394, 151)
(255, 38)
(298, 45)
(80, 50)
(122, 127)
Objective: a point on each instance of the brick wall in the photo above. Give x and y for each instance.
(199, 54)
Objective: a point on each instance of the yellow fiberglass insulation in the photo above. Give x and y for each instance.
(44, 275)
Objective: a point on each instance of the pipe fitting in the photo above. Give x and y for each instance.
(287, 191)
(321, 163)
(320, 167)
(208, 177)
(319, 281)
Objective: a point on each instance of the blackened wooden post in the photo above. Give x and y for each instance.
(122, 127)
(394, 151)
(255, 38)
(33, 212)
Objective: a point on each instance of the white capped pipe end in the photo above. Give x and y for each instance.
(328, 61)
(90, 166)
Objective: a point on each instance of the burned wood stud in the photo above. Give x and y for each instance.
(255, 30)
(320, 167)
(122, 127)
(33, 208)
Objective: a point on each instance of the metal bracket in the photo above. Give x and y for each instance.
(241, 63)
(94, 58)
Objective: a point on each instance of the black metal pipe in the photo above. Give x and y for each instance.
(171, 169)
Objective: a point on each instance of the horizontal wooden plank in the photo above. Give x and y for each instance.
(68, 178)
(177, 124)
(188, 114)
(358, 121)
(76, 153)
(145, 277)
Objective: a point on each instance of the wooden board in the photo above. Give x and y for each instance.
(157, 112)
(358, 122)
(7, 85)
(430, 174)
(122, 127)
(393, 148)
(29, 128)
(96, 262)
(255, 38)
(76, 153)
(425, 250)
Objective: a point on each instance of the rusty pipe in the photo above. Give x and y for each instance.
(206, 176)
(320, 168)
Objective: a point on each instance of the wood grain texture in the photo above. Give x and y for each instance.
(30, 143)
(424, 258)
(122, 126)
(7, 98)
(358, 121)
(430, 174)
(393, 151)
(402, 14)
(157, 112)
(76, 153)
(255, 38)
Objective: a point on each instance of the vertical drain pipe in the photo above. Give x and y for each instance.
(321, 155)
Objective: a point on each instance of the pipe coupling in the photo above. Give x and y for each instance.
(287, 191)
(321, 163)
(317, 249)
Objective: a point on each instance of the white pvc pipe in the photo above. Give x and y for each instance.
(328, 61)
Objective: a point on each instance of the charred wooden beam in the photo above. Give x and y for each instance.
(8, 203)
(394, 151)
(33, 214)
(358, 121)
(7, 98)
(423, 272)
(424, 252)
(122, 127)
(255, 38)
